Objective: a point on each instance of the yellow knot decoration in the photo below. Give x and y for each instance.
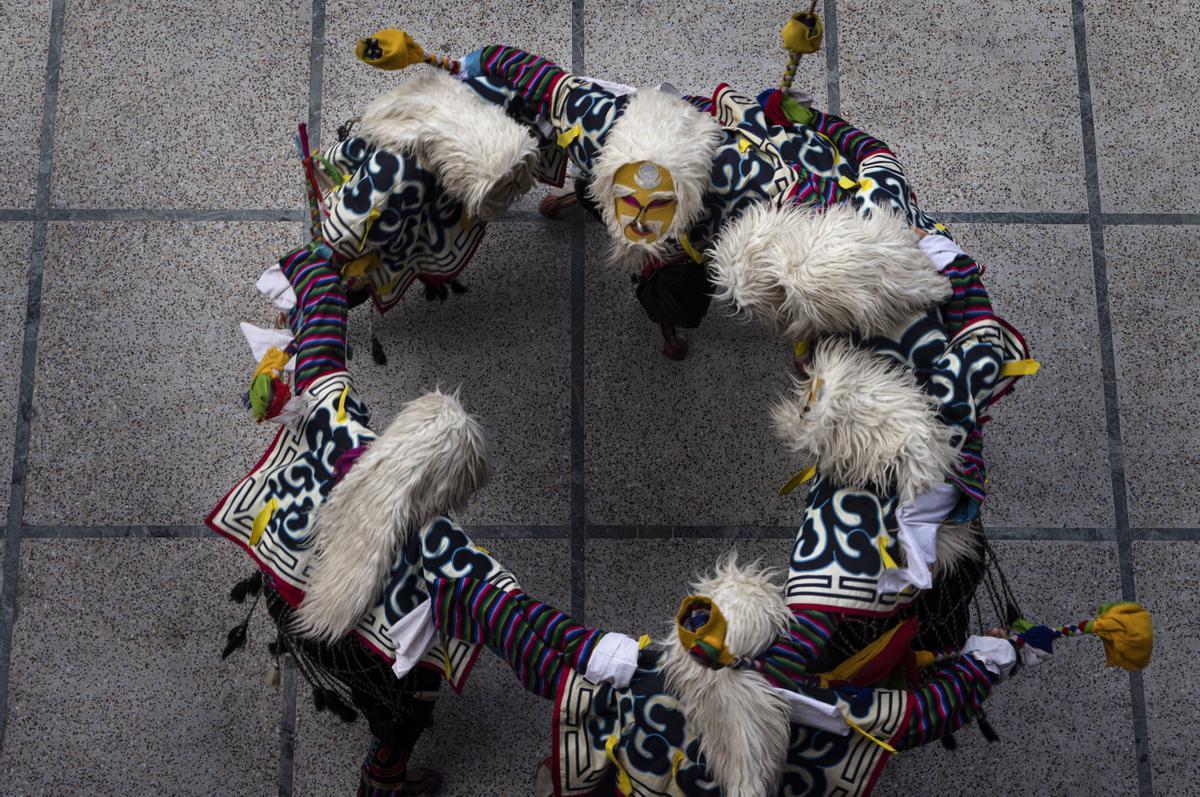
(802, 33)
(389, 49)
(359, 266)
(845, 183)
(271, 364)
(643, 641)
(569, 135)
(1127, 633)
(925, 658)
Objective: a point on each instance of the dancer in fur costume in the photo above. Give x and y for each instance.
(667, 173)
(727, 703)
(407, 191)
(346, 526)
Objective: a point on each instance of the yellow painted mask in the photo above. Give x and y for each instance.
(645, 201)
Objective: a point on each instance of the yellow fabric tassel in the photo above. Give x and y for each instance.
(875, 739)
(389, 49)
(925, 658)
(744, 144)
(261, 520)
(271, 364)
(800, 348)
(371, 216)
(799, 479)
(691, 250)
(1020, 368)
(567, 136)
(676, 762)
(643, 641)
(846, 183)
(341, 405)
(623, 782)
(1127, 633)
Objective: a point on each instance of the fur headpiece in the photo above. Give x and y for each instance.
(483, 158)
(863, 420)
(806, 274)
(428, 462)
(663, 129)
(741, 720)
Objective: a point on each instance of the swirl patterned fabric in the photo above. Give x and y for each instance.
(391, 205)
(295, 476)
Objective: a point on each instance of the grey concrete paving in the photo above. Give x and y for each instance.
(136, 137)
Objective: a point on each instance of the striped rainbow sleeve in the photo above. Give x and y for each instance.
(531, 76)
(319, 317)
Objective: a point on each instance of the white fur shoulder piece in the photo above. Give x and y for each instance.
(743, 722)
(429, 461)
(806, 274)
(483, 158)
(861, 420)
(664, 129)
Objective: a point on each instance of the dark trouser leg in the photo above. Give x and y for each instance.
(385, 771)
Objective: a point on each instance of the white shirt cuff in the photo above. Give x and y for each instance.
(413, 635)
(275, 286)
(940, 250)
(613, 661)
(998, 655)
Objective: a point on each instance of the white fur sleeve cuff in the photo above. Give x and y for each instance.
(413, 636)
(998, 655)
(940, 250)
(614, 660)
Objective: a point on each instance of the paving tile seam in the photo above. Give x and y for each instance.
(833, 76)
(1108, 366)
(33, 310)
(526, 216)
(578, 474)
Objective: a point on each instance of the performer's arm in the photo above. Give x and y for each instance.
(951, 699)
(540, 643)
(319, 317)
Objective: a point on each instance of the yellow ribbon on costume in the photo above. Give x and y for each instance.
(341, 405)
(261, 520)
(799, 479)
(744, 144)
(1127, 633)
(271, 364)
(860, 729)
(888, 562)
(643, 641)
(851, 666)
(569, 135)
(691, 250)
(623, 782)
(846, 183)
(389, 49)
(801, 348)
(1020, 368)
(371, 216)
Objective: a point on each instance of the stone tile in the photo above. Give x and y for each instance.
(1047, 449)
(622, 595)
(14, 286)
(981, 108)
(25, 36)
(1151, 74)
(1166, 582)
(696, 46)
(179, 104)
(488, 740)
(1068, 724)
(687, 442)
(506, 343)
(141, 370)
(1152, 293)
(116, 684)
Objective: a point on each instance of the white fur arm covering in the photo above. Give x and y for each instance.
(614, 660)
